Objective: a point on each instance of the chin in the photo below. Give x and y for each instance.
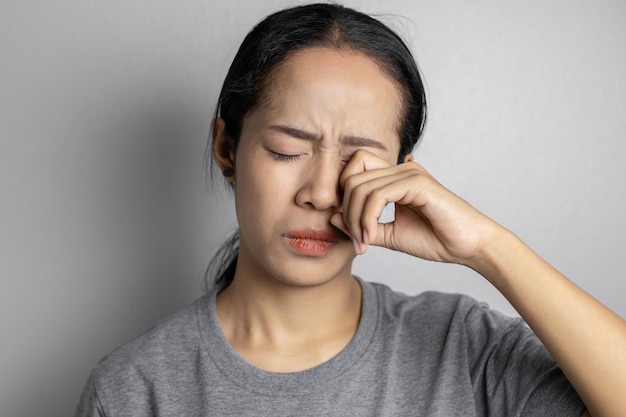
(312, 273)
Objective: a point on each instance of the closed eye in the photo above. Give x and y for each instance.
(285, 158)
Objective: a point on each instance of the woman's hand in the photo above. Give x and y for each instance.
(587, 339)
(430, 221)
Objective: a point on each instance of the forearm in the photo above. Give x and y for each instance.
(587, 339)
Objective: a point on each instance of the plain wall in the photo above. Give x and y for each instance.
(105, 107)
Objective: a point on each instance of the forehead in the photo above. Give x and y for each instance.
(343, 87)
(344, 68)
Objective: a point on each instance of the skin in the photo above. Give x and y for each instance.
(286, 311)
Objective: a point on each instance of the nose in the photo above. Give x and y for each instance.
(320, 185)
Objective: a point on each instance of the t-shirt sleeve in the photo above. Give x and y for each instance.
(512, 372)
(89, 403)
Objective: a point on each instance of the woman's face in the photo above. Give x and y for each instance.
(322, 106)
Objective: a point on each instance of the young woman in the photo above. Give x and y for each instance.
(314, 130)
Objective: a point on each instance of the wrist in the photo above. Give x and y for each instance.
(500, 253)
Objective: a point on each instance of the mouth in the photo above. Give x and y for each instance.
(312, 242)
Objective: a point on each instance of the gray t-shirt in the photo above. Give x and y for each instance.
(428, 355)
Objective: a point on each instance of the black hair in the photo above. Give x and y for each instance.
(285, 32)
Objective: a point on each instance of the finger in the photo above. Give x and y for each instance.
(365, 173)
(366, 166)
(355, 194)
(386, 236)
(362, 167)
(337, 221)
(377, 194)
(364, 203)
(383, 234)
(362, 161)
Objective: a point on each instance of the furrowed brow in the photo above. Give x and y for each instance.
(355, 141)
(293, 132)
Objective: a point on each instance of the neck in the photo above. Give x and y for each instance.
(281, 327)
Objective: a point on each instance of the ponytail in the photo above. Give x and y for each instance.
(221, 269)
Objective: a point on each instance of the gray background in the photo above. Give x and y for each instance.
(105, 107)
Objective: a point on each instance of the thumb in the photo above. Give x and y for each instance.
(381, 234)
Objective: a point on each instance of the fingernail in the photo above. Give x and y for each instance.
(366, 237)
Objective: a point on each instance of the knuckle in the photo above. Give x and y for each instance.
(350, 182)
(359, 153)
(377, 194)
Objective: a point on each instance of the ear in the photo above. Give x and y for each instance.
(223, 148)
(408, 157)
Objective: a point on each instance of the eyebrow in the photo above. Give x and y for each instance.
(356, 141)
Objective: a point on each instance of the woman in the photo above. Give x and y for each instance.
(314, 130)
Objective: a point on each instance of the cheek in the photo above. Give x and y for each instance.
(263, 203)
(264, 184)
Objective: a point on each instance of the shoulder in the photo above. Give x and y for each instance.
(157, 368)
(443, 318)
(431, 304)
(462, 349)
(166, 345)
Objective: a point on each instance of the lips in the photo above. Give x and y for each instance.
(312, 242)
